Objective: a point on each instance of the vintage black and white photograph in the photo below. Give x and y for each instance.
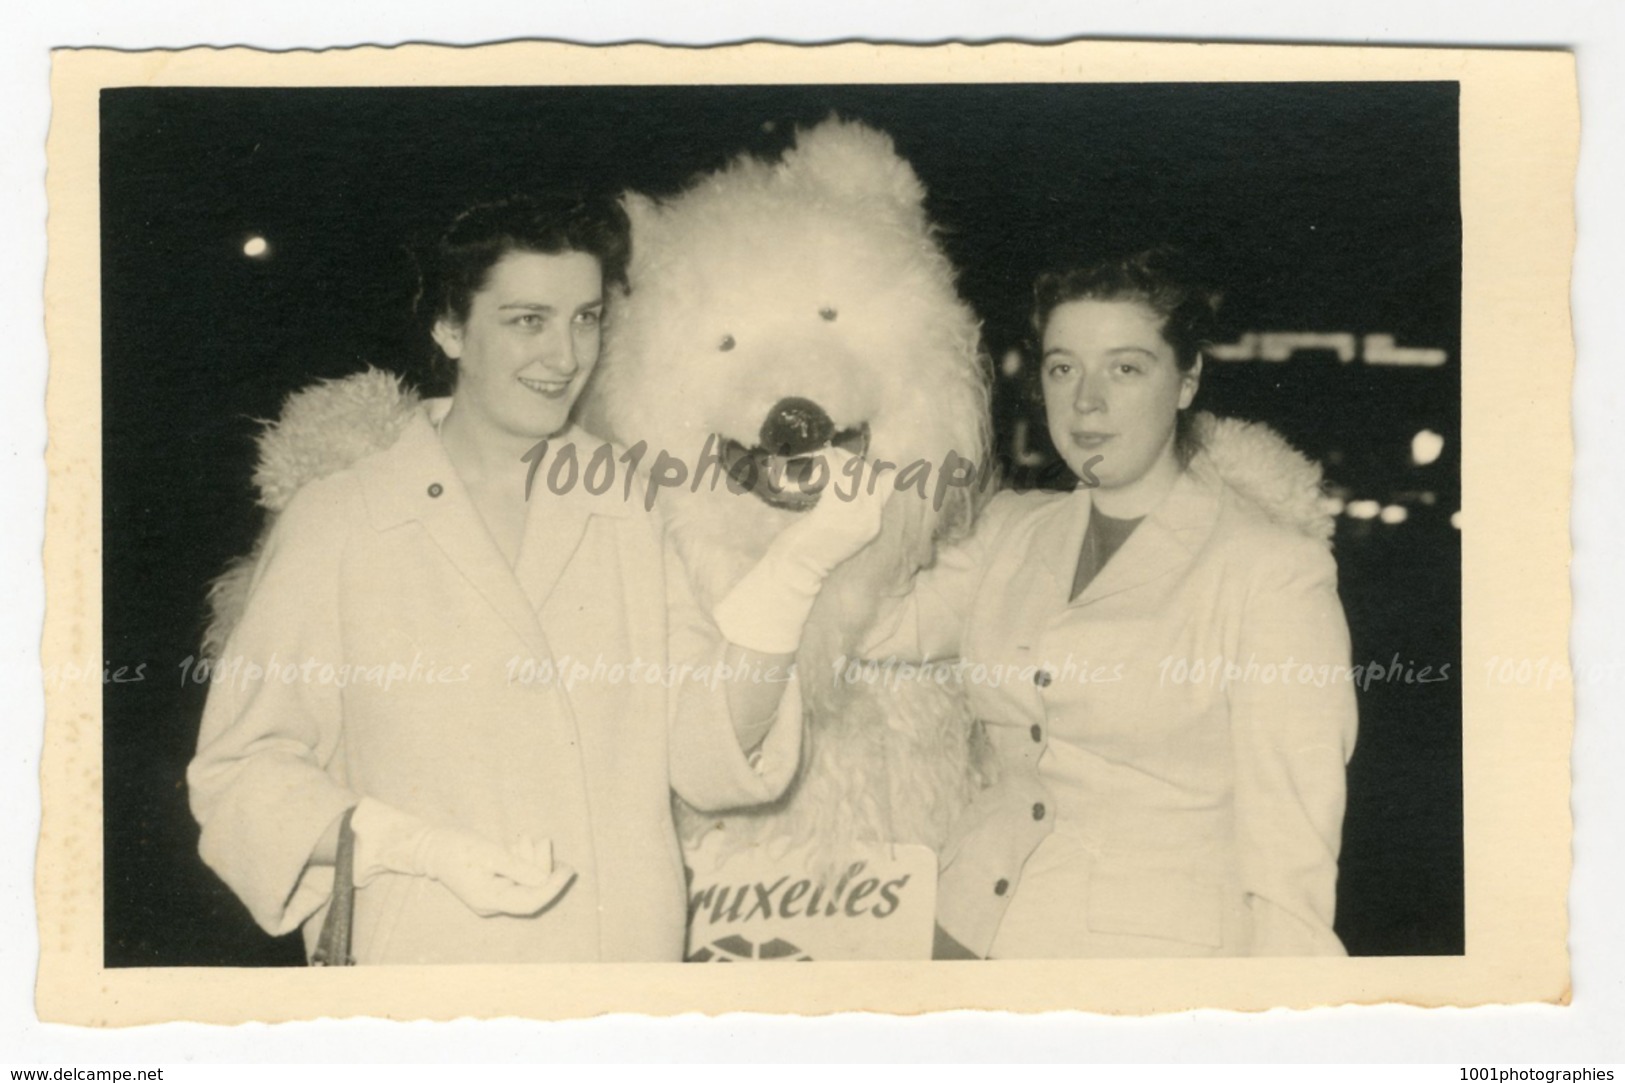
(825, 521)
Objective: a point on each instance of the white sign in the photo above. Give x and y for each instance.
(761, 904)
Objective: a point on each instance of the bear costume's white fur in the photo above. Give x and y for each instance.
(816, 278)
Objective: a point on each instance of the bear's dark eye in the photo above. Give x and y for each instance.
(726, 344)
(829, 313)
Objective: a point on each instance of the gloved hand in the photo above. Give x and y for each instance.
(767, 609)
(489, 878)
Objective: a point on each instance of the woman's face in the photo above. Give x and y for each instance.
(1112, 390)
(529, 343)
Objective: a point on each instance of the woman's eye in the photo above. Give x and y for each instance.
(1058, 371)
(530, 319)
(1127, 368)
(726, 344)
(589, 319)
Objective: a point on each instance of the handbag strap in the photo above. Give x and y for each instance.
(333, 945)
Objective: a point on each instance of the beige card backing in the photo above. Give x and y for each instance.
(1519, 145)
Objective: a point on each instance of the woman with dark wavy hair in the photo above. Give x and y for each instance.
(466, 672)
(1159, 657)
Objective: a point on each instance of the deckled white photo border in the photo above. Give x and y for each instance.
(1519, 143)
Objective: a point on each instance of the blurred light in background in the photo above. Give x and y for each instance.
(256, 247)
(1363, 509)
(1332, 505)
(1395, 514)
(1381, 350)
(1426, 447)
(1455, 519)
(1011, 365)
(1021, 450)
(1282, 345)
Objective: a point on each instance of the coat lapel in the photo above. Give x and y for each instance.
(415, 481)
(556, 522)
(1060, 541)
(1166, 540)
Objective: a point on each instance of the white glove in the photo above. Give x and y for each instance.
(487, 877)
(766, 610)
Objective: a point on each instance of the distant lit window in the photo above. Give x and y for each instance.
(1284, 345)
(1381, 350)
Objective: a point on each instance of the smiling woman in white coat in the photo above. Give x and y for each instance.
(1159, 657)
(482, 679)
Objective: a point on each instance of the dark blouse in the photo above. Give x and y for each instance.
(1104, 537)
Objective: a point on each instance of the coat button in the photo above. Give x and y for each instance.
(1001, 887)
(1042, 678)
(436, 489)
(1038, 811)
(1038, 733)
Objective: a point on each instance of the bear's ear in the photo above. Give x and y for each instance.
(647, 224)
(853, 161)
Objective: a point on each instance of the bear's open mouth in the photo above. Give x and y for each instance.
(786, 477)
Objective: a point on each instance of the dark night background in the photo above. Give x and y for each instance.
(1320, 207)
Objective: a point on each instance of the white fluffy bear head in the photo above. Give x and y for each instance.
(778, 306)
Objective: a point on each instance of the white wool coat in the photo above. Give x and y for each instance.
(1171, 744)
(429, 674)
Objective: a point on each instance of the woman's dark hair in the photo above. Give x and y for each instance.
(461, 259)
(1161, 278)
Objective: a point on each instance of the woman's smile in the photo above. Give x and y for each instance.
(552, 389)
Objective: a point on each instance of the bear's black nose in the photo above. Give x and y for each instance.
(795, 427)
